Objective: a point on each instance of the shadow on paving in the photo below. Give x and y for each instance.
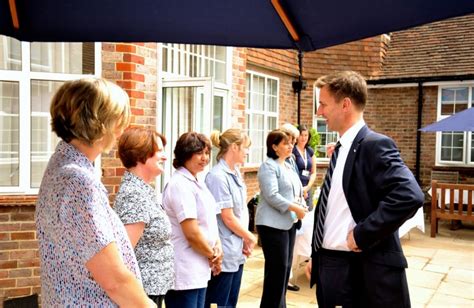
(440, 271)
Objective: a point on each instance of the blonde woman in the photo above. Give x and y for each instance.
(85, 255)
(228, 188)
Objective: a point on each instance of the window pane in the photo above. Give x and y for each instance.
(258, 93)
(43, 140)
(453, 100)
(164, 58)
(247, 95)
(217, 114)
(196, 61)
(272, 95)
(10, 54)
(9, 134)
(326, 137)
(69, 58)
(472, 147)
(220, 72)
(458, 140)
(262, 108)
(272, 123)
(447, 140)
(221, 53)
(452, 146)
(257, 135)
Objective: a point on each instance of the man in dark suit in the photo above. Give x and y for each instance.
(368, 193)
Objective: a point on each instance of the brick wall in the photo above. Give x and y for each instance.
(250, 178)
(19, 261)
(133, 67)
(283, 61)
(393, 112)
(239, 64)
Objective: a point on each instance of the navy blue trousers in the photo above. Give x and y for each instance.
(224, 288)
(185, 298)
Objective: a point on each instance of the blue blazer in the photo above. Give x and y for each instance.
(382, 194)
(277, 192)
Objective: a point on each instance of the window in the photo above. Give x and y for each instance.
(262, 112)
(454, 148)
(9, 133)
(195, 61)
(26, 88)
(322, 129)
(195, 88)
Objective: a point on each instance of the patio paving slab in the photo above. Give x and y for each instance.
(440, 273)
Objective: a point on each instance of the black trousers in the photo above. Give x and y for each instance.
(350, 279)
(277, 246)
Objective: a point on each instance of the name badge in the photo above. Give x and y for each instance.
(305, 173)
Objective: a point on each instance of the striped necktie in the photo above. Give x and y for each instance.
(323, 200)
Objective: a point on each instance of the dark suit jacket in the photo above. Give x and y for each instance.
(382, 194)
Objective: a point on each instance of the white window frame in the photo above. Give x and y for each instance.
(180, 65)
(24, 78)
(266, 114)
(316, 91)
(467, 160)
(180, 78)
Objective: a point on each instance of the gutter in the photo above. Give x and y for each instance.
(418, 81)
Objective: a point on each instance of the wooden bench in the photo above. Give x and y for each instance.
(455, 203)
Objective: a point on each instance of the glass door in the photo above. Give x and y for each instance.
(186, 106)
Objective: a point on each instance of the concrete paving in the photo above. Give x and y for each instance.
(440, 271)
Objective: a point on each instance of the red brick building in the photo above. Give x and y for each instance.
(175, 88)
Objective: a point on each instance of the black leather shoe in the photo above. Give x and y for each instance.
(293, 287)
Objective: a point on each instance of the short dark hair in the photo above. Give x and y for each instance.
(137, 144)
(274, 138)
(188, 144)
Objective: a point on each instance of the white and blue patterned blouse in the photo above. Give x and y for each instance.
(74, 222)
(136, 202)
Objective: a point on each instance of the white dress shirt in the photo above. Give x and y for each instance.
(339, 220)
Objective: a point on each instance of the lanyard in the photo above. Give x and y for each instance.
(303, 156)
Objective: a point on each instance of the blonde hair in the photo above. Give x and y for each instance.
(89, 109)
(290, 130)
(228, 137)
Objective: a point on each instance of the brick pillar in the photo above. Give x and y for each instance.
(239, 88)
(19, 260)
(133, 67)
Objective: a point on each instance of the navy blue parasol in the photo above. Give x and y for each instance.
(291, 24)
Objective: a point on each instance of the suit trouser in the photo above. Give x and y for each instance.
(349, 279)
(277, 246)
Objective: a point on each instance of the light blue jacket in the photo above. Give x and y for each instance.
(278, 187)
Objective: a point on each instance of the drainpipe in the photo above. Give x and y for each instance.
(300, 81)
(299, 85)
(418, 132)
